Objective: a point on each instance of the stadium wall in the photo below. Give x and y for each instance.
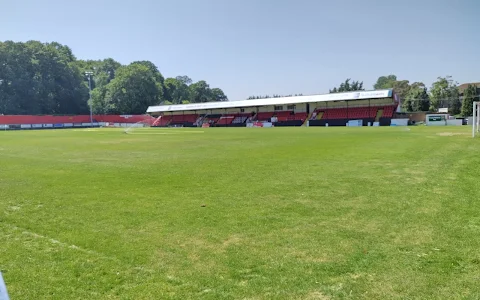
(56, 122)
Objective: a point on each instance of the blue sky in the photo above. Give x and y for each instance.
(249, 47)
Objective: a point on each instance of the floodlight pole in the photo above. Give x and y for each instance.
(89, 75)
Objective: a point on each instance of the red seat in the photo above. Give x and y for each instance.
(264, 116)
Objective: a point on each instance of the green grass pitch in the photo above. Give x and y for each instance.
(241, 213)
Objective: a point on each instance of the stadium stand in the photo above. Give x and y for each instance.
(334, 109)
(337, 116)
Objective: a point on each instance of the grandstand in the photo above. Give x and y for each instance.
(337, 109)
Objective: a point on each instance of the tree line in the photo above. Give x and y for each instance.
(415, 97)
(46, 78)
(444, 93)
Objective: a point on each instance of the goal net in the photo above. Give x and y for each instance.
(476, 119)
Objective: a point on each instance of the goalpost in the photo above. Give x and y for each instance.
(476, 119)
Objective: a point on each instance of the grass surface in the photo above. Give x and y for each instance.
(291, 213)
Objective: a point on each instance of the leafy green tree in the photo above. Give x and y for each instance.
(444, 93)
(417, 98)
(100, 105)
(175, 91)
(132, 91)
(218, 95)
(348, 86)
(153, 69)
(385, 82)
(103, 72)
(40, 78)
(200, 92)
(184, 79)
(401, 87)
(455, 106)
(468, 98)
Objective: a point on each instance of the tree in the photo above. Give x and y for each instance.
(103, 70)
(385, 82)
(444, 93)
(100, 105)
(40, 78)
(348, 87)
(468, 98)
(401, 87)
(132, 91)
(153, 69)
(417, 98)
(175, 91)
(184, 79)
(218, 95)
(157, 76)
(455, 106)
(200, 92)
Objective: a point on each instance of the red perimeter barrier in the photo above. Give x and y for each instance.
(26, 119)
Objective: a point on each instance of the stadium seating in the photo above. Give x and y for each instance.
(355, 112)
(240, 119)
(181, 119)
(230, 119)
(388, 111)
(300, 117)
(264, 116)
(283, 116)
(225, 120)
(212, 118)
(162, 121)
